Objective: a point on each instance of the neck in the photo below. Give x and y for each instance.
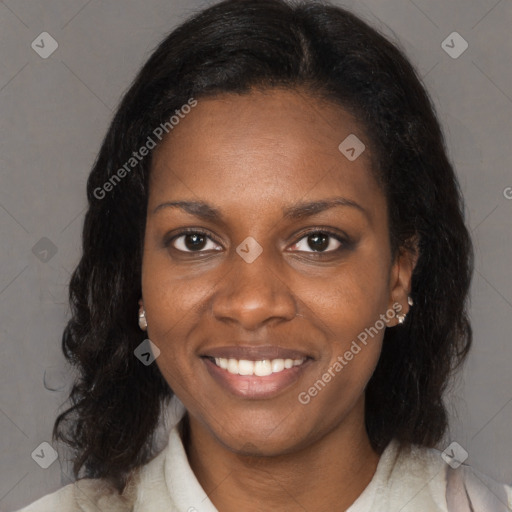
(330, 473)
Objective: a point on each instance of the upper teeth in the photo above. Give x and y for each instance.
(258, 368)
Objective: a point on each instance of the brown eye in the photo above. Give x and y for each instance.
(193, 241)
(319, 241)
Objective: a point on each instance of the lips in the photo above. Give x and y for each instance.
(256, 372)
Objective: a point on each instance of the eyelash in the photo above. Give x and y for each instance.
(344, 241)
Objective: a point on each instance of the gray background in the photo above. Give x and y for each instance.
(54, 113)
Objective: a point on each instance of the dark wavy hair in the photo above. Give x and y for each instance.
(233, 47)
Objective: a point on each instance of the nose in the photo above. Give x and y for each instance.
(254, 294)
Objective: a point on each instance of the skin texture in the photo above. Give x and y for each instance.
(251, 156)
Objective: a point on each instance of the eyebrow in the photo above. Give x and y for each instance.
(299, 210)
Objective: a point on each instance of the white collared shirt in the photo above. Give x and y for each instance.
(413, 479)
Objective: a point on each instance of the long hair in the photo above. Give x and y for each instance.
(233, 47)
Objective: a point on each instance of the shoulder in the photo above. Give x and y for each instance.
(94, 494)
(63, 499)
(424, 476)
(467, 487)
(412, 478)
(87, 495)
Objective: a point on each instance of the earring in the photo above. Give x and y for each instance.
(143, 324)
(401, 318)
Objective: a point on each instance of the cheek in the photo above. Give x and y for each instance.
(172, 314)
(170, 305)
(172, 295)
(351, 300)
(352, 308)
(350, 313)
(340, 385)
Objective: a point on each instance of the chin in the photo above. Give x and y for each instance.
(276, 436)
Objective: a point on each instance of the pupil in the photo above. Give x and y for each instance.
(197, 243)
(319, 240)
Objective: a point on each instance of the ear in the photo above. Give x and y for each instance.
(401, 276)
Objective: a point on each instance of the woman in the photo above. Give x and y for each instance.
(275, 237)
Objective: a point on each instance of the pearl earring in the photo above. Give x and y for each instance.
(401, 318)
(143, 324)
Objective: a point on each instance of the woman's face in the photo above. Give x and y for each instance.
(263, 281)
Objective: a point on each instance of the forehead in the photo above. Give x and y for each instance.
(265, 147)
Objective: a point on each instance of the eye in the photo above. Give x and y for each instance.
(320, 241)
(192, 240)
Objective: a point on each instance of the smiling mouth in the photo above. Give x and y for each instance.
(257, 368)
(256, 378)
